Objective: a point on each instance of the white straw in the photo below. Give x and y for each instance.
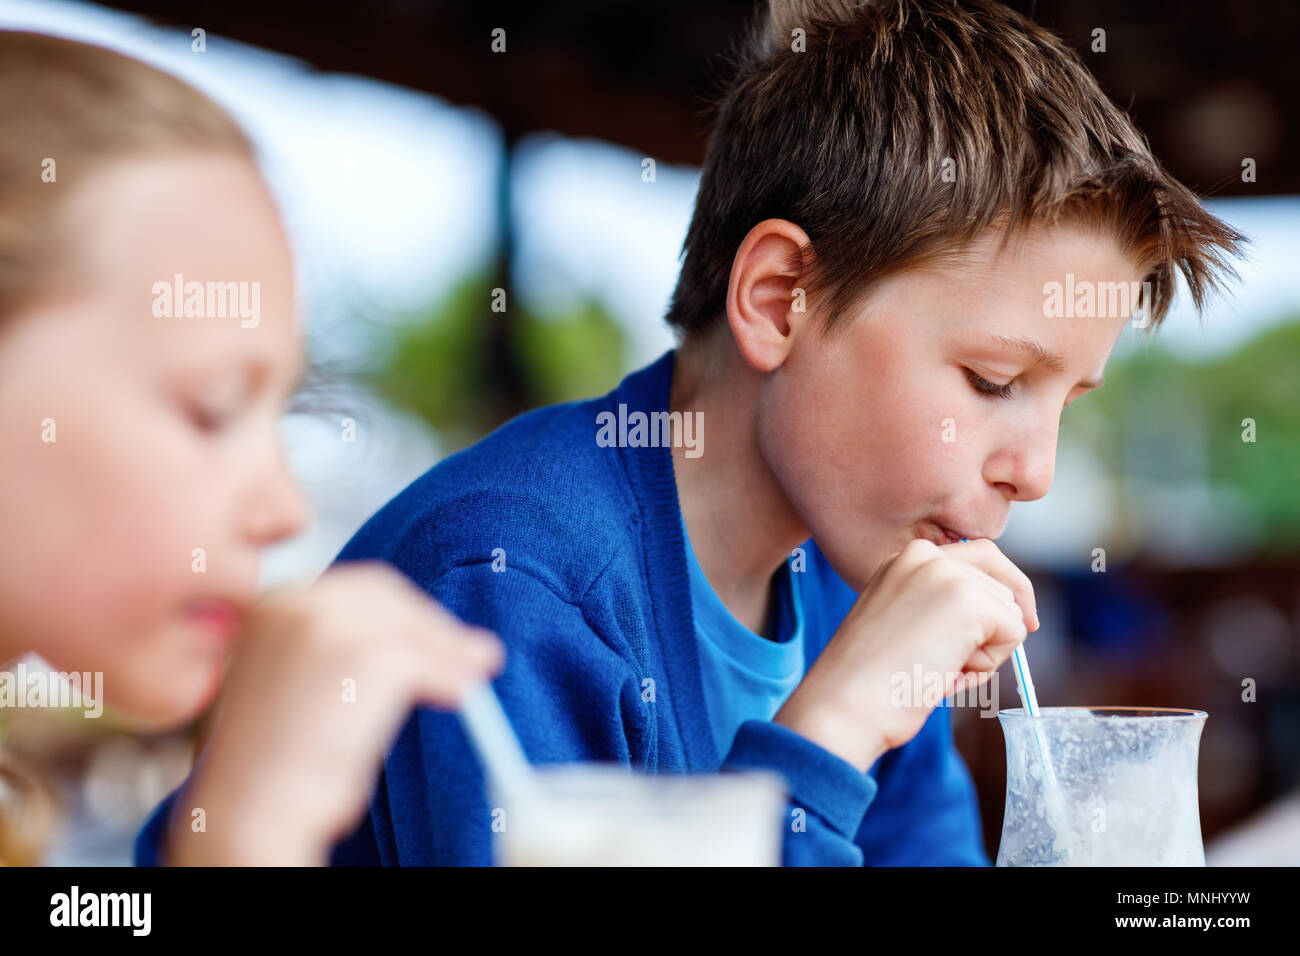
(498, 748)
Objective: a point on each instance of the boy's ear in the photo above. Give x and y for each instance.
(763, 291)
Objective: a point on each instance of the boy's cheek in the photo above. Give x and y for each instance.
(915, 439)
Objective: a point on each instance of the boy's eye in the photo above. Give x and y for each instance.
(985, 387)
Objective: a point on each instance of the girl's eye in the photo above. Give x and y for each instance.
(208, 419)
(985, 387)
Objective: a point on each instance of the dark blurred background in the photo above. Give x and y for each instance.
(420, 170)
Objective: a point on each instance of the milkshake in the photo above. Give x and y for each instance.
(607, 815)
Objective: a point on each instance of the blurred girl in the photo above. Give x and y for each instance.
(143, 473)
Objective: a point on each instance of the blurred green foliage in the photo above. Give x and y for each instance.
(454, 369)
(1154, 398)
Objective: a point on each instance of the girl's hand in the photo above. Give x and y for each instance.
(325, 679)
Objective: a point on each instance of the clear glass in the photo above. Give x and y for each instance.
(1102, 786)
(607, 815)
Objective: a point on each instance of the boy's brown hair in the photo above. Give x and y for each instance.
(895, 131)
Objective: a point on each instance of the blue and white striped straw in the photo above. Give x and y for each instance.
(1025, 685)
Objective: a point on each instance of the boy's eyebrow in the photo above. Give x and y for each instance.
(1041, 355)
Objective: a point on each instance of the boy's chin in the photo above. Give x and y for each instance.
(857, 563)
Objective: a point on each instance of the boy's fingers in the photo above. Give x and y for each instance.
(980, 662)
(986, 556)
(992, 585)
(1009, 630)
(973, 679)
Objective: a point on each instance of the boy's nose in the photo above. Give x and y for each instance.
(1025, 468)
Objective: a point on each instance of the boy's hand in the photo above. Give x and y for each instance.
(958, 610)
(294, 755)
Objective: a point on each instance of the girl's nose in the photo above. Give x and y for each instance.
(280, 508)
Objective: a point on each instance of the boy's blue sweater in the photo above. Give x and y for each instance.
(594, 600)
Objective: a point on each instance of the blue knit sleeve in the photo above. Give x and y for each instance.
(569, 696)
(827, 796)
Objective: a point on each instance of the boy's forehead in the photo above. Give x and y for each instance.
(1038, 250)
(988, 280)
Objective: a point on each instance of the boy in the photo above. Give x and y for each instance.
(886, 198)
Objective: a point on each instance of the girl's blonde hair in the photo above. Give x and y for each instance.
(67, 109)
(28, 813)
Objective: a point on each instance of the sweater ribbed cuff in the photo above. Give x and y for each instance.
(818, 780)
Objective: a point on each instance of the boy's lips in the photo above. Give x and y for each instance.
(942, 534)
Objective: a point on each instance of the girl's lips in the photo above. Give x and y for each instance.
(221, 617)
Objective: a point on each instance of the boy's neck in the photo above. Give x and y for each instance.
(740, 523)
